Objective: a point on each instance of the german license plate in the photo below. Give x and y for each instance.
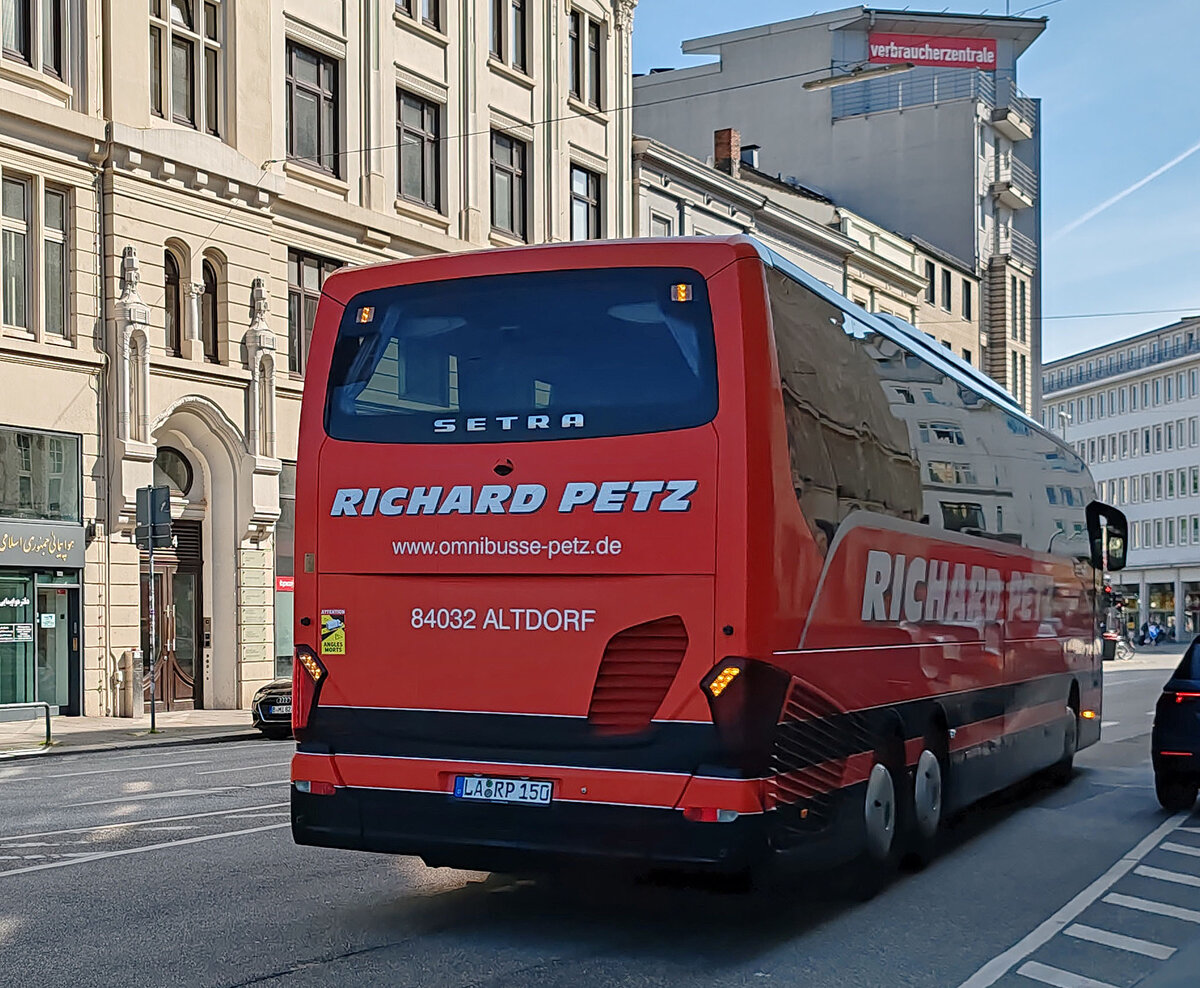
(284, 708)
(492, 790)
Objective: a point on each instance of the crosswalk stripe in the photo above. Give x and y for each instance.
(1119, 941)
(1167, 876)
(1048, 975)
(1181, 849)
(1150, 906)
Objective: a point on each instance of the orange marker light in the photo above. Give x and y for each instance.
(681, 293)
(366, 313)
(1088, 714)
(727, 676)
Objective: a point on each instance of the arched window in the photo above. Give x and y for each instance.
(172, 469)
(208, 313)
(171, 309)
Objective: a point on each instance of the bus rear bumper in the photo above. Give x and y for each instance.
(506, 837)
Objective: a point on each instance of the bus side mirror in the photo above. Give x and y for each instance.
(1106, 522)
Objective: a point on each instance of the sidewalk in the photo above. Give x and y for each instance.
(73, 735)
(1162, 657)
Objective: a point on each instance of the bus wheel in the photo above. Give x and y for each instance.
(1059, 774)
(928, 802)
(883, 832)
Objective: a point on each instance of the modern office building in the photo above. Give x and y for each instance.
(1132, 410)
(177, 179)
(912, 119)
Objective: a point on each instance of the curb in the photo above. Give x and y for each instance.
(61, 749)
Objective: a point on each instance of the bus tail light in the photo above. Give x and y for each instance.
(709, 814)
(308, 676)
(314, 788)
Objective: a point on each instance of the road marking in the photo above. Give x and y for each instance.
(1150, 906)
(1168, 876)
(998, 966)
(109, 771)
(1048, 975)
(1106, 938)
(139, 823)
(1189, 830)
(140, 797)
(1109, 723)
(243, 768)
(1182, 849)
(140, 850)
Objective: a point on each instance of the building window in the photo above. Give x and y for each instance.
(517, 35)
(42, 476)
(574, 54)
(312, 108)
(496, 45)
(1013, 310)
(14, 251)
(585, 204)
(172, 321)
(1024, 313)
(966, 355)
(306, 275)
(208, 313)
(966, 299)
(660, 226)
(1012, 385)
(420, 150)
(431, 14)
(594, 64)
(508, 185)
(185, 60)
(54, 263)
(946, 304)
(931, 284)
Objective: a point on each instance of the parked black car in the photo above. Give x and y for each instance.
(1175, 741)
(272, 709)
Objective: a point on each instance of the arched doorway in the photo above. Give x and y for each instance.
(179, 594)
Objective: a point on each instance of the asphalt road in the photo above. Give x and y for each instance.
(175, 867)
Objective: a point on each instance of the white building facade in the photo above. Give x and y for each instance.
(943, 152)
(1132, 410)
(178, 178)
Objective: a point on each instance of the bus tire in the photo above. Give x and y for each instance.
(1060, 773)
(884, 820)
(929, 797)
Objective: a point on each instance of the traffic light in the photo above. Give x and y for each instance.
(1112, 598)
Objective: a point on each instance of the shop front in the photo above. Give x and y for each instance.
(41, 562)
(1131, 607)
(1162, 605)
(1191, 608)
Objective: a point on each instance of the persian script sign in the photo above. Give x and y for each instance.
(25, 544)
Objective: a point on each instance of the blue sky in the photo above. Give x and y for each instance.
(1120, 99)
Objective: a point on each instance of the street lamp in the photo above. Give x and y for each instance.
(857, 74)
(1064, 419)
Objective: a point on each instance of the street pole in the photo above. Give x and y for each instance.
(153, 635)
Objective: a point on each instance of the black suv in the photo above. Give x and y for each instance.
(1175, 743)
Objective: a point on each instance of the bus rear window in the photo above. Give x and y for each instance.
(521, 357)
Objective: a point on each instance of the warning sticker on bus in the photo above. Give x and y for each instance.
(333, 632)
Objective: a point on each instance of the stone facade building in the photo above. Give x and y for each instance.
(176, 184)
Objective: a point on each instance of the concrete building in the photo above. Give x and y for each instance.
(1132, 410)
(176, 184)
(947, 151)
(678, 195)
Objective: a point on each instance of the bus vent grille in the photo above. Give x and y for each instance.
(812, 742)
(638, 668)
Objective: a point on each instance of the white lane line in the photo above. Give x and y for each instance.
(1182, 849)
(110, 771)
(1118, 941)
(139, 823)
(1048, 975)
(1109, 723)
(1150, 906)
(998, 966)
(243, 768)
(143, 797)
(140, 850)
(1189, 830)
(1168, 876)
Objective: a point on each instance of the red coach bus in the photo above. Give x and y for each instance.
(663, 551)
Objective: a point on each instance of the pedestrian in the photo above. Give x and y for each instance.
(1155, 632)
